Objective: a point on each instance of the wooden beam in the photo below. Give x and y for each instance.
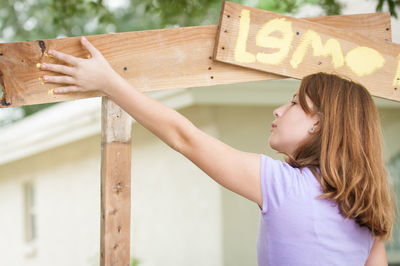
(149, 60)
(115, 185)
(292, 47)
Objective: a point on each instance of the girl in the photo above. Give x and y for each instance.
(329, 204)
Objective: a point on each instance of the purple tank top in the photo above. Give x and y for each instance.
(297, 228)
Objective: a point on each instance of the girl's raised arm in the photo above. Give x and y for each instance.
(236, 170)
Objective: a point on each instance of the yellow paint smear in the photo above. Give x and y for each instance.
(48, 55)
(283, 44)
(51, 91)
(41, 81)
(363, 60)
(241, 55)
(332, 47)
(396, 80)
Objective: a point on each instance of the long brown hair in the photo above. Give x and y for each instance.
(345, 153)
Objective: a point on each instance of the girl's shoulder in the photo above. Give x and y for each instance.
(273, 168)
(280, 181)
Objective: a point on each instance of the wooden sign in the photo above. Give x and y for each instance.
(149, 60)
(295, 48)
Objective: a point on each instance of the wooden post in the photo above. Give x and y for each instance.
(115, 185)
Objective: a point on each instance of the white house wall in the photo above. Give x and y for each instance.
(246, 128)
(176, 207)
(67, 203)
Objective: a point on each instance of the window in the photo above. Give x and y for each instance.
(30, 212)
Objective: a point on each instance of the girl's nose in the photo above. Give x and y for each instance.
(275, 112)
(280, 110)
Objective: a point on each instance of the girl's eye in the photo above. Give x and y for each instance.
(292, 102)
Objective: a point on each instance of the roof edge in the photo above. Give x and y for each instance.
(70, 121)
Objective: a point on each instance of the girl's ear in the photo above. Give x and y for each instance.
(315, 127)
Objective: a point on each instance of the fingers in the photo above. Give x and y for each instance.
(57, 68)
(65, 89)
(72, 60)
(75, 65)
(59, 79)
(69, 59)
(92, 50)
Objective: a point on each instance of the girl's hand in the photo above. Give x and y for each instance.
(81, 75)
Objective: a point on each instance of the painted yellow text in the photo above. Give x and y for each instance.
(332, 47)
(361, 60)
(396, 80)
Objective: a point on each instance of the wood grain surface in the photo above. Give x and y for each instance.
(149, 60)
(273, 43)
(115, 185)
